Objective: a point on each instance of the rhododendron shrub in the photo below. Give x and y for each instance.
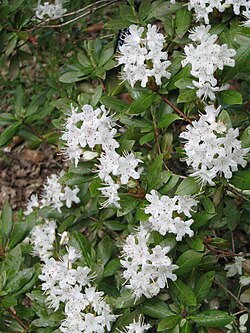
(145, 227)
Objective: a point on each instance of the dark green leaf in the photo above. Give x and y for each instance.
(182, 20)
(213, 318)
(153, 176)
(241, 180)
(187, 95)
(183, 292)
(147, 138)
(8, 134)
(187, 261)
(168, 323)
(203, 285)
(167, 120)
(230, 97)
(155, 308)
(105, 249)
(142, 103)
(188, 186)
(112, 267)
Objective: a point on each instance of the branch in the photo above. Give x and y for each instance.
(91, 9)
(17, 319)
(176, 109)
(237, 193)
(232, 295)
(225, 253)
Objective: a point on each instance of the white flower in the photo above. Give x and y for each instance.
(235, 268)
(211, 149)
(142, 56)
(137, 326)
(242, 321)
(163, 211)
(64, 238)
(111, 192)
(54, 193)
(70, 196)
(237, 4)
(206, 58)
(146, 270)
(53, 11)
(42, 239)
(246, 14)
(32, 203)
(244, 280)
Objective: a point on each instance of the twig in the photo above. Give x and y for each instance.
(237, 193)
(176, 109)
(17, 319)
(92, 10)
(232, 295)
(225, 253)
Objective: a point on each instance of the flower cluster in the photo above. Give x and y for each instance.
(203, 8)
(55, 195)
(52, 11)
(94, 127)
(211, 148)
(42, 239)
(168, 214)
(205, 58)
(142, 56)
(85, 308)
(146, 269)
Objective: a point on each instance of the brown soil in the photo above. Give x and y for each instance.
(23, 172)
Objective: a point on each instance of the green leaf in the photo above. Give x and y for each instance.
(97, 95)
(117, 24)
(201, 219)
(187, 261)
(213, 318)
(7, 222)
(128, 203)
(241, 180)
(168, 323)
(203, 285)
(245, 138)
(187, 95)
(83, 60)
(22, 229)
(187, 328)
(144, 9)
(187, 187)
(153, 176)
(159, 9)
(9, 301)
(84, 246)
(167, 120)
(241, 59)
(230, 97)
(71, 77)
(183, 292)
(142, 103)
(208, 205)
(112, 267)
(106, 55)
(19, 280)
(155, 308)
(104, 250)
(8, 133)
(147, 138)
(182, 20)
(12, 262)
